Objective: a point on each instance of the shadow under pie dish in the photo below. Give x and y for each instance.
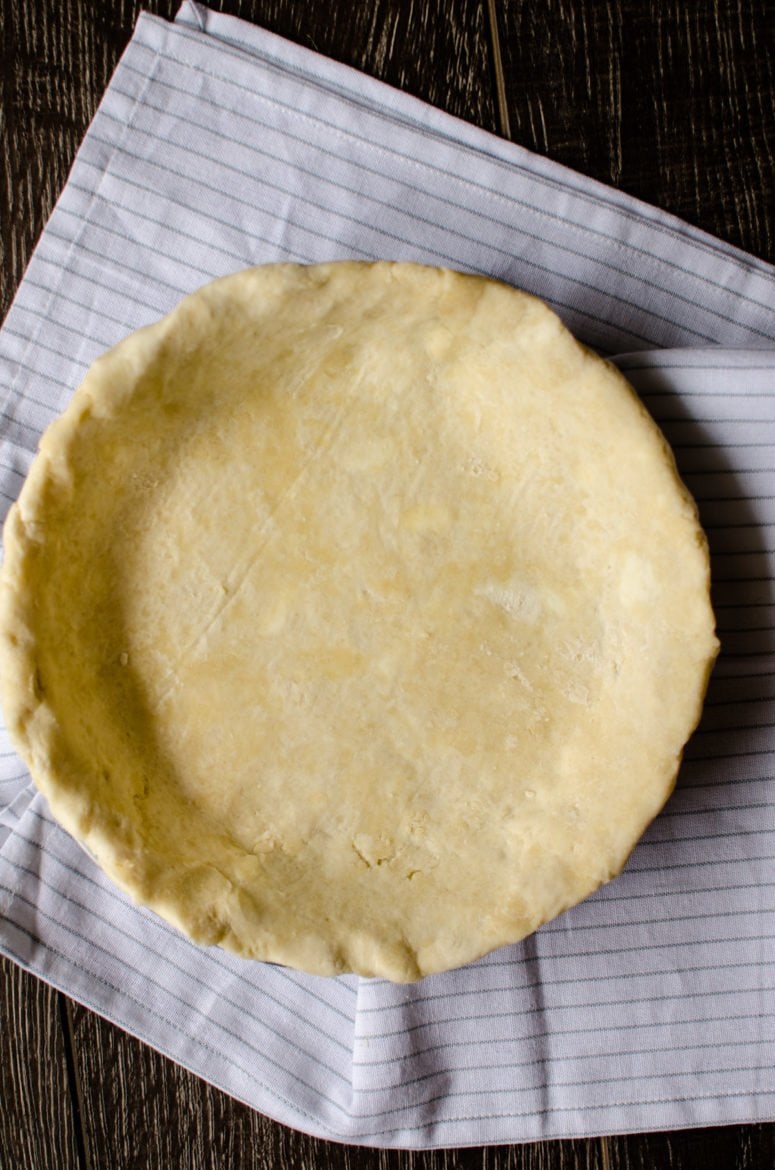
(354, 617)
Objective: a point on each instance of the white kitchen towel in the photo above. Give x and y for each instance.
(219, 145)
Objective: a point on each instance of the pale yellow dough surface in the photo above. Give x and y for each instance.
(354, 617)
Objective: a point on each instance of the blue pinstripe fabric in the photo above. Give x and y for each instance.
(652, 1005)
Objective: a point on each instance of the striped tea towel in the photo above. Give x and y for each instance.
(652, 1004)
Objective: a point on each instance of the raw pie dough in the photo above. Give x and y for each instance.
(354, 617)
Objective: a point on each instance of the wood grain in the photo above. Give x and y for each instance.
(742, 1147)
(437, 50)
(56, 60)
(52, 74)
(672, 102)
(37, 1115)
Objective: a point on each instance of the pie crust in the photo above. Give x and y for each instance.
(354, 617)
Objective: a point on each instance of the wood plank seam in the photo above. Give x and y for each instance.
(76, 1102)
(500, 76)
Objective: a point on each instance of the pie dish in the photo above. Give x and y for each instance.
(354, 617)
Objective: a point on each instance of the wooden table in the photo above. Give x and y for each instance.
(670, 100)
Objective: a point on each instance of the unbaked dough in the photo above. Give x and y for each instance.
(354, 617)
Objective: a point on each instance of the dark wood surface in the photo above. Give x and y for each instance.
(670, 100)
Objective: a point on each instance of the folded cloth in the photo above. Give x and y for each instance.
(219, 145)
